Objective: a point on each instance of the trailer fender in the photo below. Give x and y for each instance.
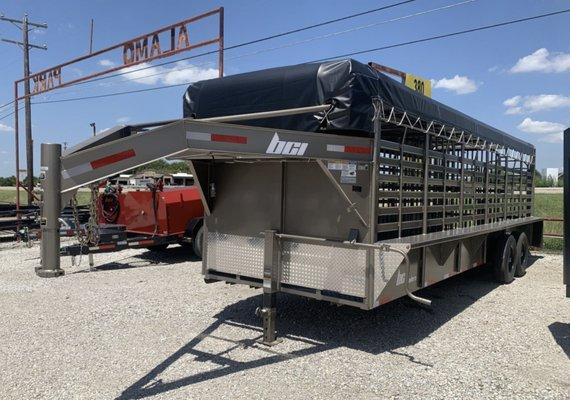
(192, 226)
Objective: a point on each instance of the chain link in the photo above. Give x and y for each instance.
(79, 234)
(90, 236)
(93, 236)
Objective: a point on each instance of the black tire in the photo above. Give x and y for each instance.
(523, 254)
(505, 259)
(198, 242)
(158, 247)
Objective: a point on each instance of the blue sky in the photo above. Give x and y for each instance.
(515, 78)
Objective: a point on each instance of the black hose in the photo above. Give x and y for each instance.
(110, 206)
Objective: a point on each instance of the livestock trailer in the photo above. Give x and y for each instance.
(327, 180)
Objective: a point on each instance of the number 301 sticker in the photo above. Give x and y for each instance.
(418, 84)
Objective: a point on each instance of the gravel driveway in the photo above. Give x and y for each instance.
(146, 325)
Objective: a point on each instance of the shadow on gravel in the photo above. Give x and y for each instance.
(175, 254)
(532, 259)
(322, 327)
(561, 333)
(172, 255)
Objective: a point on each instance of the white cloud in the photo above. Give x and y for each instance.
(513, 101)
(529, 125)
(123, 120)
(546, 101)
(106, 63)
(542, 61)
(457, 84)
(535, 103)
(514, 111)
(181, 72)
(551, 132)
(5, 128)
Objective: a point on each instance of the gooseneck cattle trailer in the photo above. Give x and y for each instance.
(326, 180)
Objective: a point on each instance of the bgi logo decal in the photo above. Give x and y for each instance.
(286, 148)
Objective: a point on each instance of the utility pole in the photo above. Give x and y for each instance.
(24, 26)
(91, 38)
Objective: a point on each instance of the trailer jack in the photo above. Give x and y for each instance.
(268, 314)
(271, 281)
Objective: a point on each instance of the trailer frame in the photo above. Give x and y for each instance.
(417, 203)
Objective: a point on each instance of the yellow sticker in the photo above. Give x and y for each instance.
(418, 84)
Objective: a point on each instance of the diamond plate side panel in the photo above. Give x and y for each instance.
(233, 254)
(321, 267)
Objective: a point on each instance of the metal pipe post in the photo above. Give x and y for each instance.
(50, 210)
(221, 44)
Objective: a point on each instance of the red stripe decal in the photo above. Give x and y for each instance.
(358, 149)
(216, 137)
(113, 158)
(145, 242)
(106, 246)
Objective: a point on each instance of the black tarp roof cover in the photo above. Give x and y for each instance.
(349, 83)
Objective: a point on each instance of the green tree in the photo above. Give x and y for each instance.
(164, 167)
(8, 181)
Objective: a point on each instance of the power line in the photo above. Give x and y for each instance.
(255, 41)
(296, 43)
(6, 104)
(10, 113)
(332, 21)
(108, 94)
(431, 38)
(436, 37)
(350, 30)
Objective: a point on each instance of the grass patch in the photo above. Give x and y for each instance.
(550, 205)
(9, 196)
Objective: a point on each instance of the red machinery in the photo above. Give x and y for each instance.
(169, 213)
(152, 217)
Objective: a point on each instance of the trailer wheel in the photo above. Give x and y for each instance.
(522, 255)
(505, 259)
(198, 242)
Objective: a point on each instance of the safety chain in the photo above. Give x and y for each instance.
(79, 234)
(93, 236)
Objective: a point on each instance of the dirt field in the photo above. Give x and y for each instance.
(145, 325)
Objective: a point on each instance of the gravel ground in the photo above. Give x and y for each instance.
(146, 325)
